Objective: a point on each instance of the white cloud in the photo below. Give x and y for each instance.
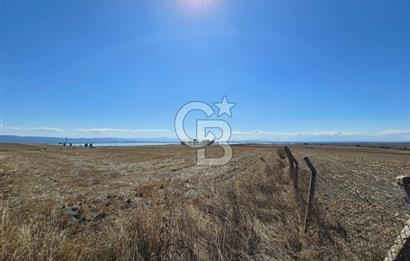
(125, 131)
(258, 134)
(395, 132)
(388, 134)
(89, 132)
(45, 129)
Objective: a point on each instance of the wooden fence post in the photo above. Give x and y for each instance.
(295, 176)
(294, 167)
(290, 160)
(404, 184)
(311, 192)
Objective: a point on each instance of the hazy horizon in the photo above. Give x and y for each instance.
(298, 138)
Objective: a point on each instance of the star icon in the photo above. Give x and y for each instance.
(225, 107)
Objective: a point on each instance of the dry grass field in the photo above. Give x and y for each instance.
(154, 203)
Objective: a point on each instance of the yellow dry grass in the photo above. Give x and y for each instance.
(253, 216)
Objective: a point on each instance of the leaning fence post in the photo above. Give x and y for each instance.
(311, 192)
(294, 166)
(290, 159)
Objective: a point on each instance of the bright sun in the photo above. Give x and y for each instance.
(197, 5)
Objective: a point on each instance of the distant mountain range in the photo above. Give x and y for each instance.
(57, 140)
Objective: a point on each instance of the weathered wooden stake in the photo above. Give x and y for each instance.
(311, 192)
(295, 176)
(294, 166)
(404, 185)
(290, 160)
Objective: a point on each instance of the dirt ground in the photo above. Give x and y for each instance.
(356, 186)
(66, 176)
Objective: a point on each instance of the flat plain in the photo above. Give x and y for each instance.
(154, 202)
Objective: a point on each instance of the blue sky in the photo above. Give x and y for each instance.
(297, 70)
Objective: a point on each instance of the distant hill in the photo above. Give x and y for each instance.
(116, 140)
(57, 140)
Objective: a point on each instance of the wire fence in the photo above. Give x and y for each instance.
(369, 230)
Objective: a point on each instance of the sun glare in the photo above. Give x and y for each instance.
(195, 6)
